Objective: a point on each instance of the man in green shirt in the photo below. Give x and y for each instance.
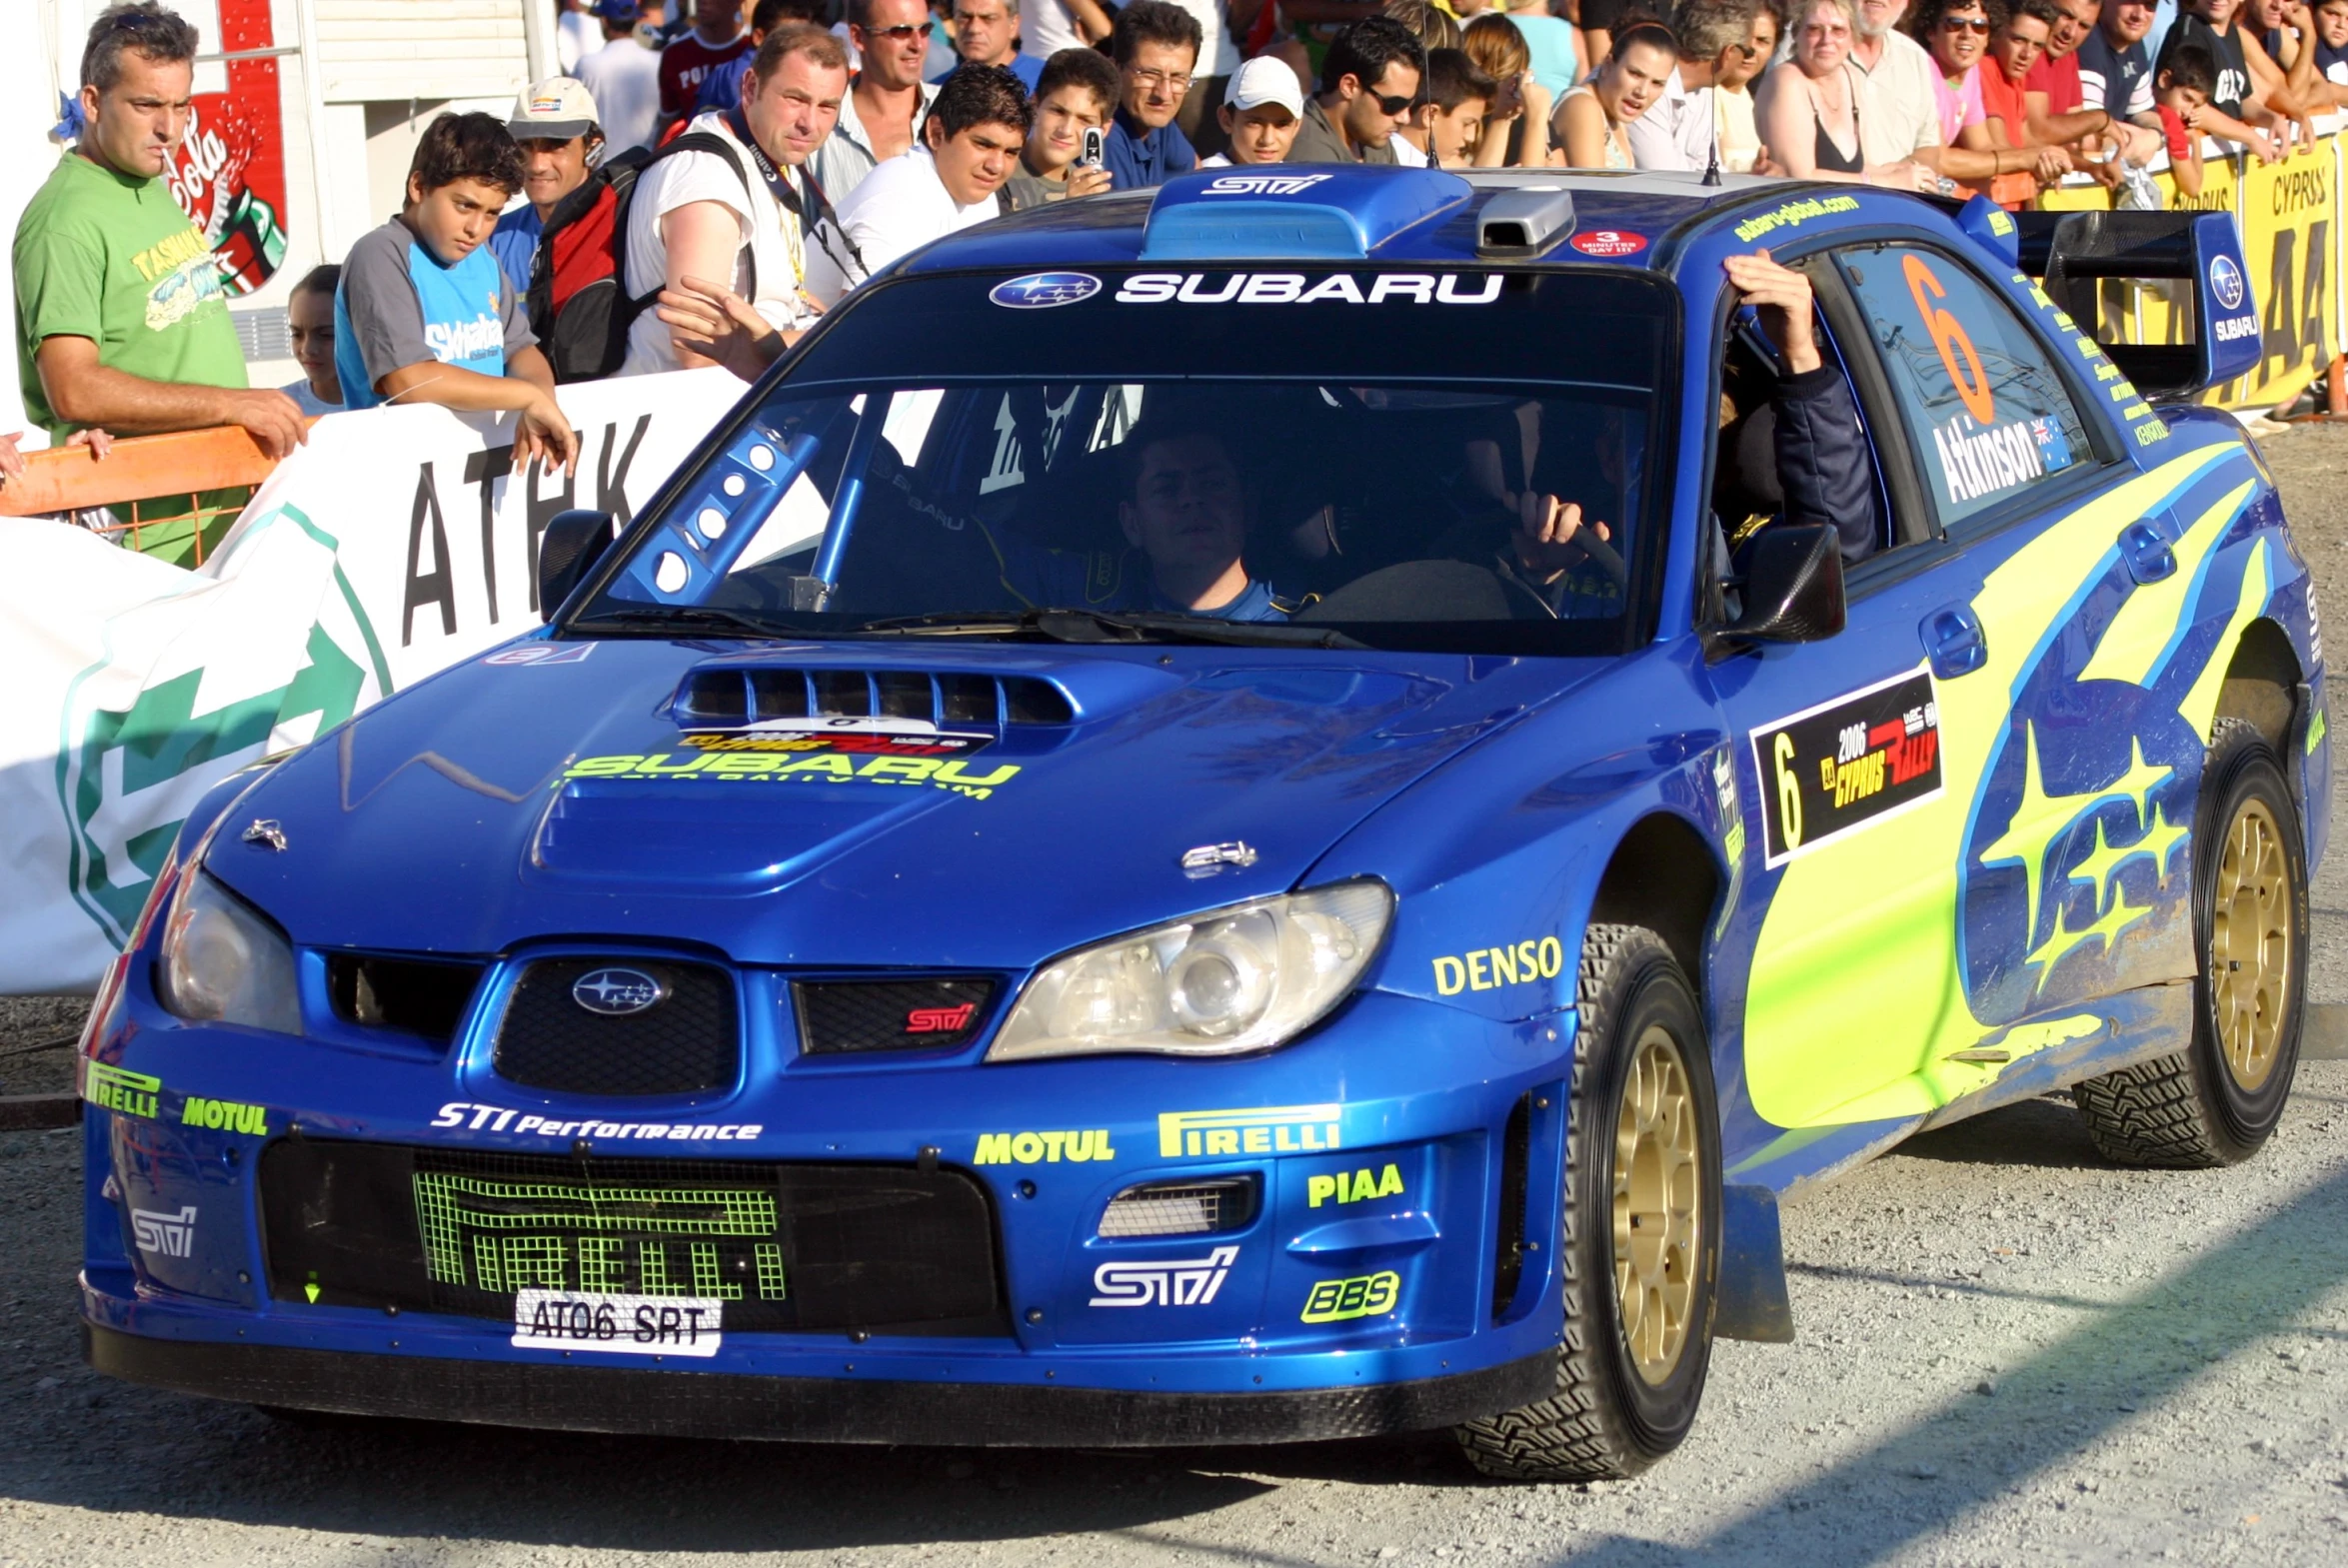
(121, 319)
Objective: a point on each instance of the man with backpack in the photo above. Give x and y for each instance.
(555, 125)
(729, 201)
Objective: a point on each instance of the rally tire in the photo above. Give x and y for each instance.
(1609, 1420)
(2216, 1101)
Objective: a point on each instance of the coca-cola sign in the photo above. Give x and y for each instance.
(228, 174)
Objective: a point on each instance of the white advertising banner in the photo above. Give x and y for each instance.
(393, 544)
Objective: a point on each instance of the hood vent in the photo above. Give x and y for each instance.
(727, 699)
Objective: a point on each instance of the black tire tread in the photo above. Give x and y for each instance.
(2154, 1113)
(1574, 1434)
(2149, 1115)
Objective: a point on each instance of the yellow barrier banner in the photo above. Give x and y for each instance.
(2289, 216)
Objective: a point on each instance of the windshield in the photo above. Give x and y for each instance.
(1450, 462)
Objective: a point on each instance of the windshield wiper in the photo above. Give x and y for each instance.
(1092, 626)
(694, 618)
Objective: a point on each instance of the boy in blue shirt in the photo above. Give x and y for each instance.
(425, 313)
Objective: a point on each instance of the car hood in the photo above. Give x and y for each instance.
(552, 791)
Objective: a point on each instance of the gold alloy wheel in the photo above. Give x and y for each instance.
(1658, 1213)
(2250, 954)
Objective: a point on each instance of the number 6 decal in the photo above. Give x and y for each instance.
(1949, 337)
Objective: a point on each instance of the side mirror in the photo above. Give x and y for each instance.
(569, 548)
(1792, 589)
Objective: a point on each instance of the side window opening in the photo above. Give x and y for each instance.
(1988, 414)
(1750, 490)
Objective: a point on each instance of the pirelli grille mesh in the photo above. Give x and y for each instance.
(868, 1016)
(687, 1043)
(785, 1246)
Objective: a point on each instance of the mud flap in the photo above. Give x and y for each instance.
(1751, 1303)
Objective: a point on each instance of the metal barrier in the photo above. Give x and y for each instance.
(149, 482)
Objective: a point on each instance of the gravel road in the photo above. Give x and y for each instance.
(2008, 1352)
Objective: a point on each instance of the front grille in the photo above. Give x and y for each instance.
(866, 1015)
(424, 998)
(726, 695)
(686, 1043)
(787, 1247)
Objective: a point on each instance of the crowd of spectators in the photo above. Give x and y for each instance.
(705, 177)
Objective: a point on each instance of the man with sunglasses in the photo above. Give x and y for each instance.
(1369, 81)
(886, 99)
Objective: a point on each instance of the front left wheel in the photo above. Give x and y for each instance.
(1641, 1249)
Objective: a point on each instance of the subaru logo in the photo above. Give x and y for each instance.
(1042, 290)
(2225, 279)
(618, 994)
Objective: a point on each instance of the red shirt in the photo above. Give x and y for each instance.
(2003, 100)
(686, 63)
(2058, 80)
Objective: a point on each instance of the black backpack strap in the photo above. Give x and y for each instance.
(689, 142)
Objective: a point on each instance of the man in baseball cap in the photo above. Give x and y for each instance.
(555, 125)
(1260, 112)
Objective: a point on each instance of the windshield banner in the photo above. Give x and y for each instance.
(393, 544)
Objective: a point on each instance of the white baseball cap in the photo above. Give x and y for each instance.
(1264, 80)
(557, 109)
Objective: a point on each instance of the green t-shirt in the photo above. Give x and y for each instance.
(112, 259)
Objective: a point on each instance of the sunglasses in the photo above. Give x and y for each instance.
(1395, 104)
(1962, 24)
(901, 34)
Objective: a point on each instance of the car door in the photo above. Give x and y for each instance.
(1868, 747)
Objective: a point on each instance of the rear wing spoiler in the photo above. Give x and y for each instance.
(2194, 259)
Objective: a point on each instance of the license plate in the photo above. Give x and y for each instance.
(627, 1325)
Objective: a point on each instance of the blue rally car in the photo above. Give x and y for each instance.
(1257, 811)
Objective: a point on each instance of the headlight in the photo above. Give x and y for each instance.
(223, 959)
(1237, 979)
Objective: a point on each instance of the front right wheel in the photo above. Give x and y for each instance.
(1641, 1249)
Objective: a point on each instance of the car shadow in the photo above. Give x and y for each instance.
(1968, 1455)
(400, 1482)
(2044, 1134)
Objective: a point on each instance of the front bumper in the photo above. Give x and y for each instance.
(830, 1411)
(1373, 1289)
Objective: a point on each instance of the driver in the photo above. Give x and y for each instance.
(1184, 522)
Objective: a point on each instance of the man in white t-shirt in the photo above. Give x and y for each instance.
(622, 77)
(697, 215)
(971, 145)
(1048, 26)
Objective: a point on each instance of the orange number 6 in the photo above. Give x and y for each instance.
(1948, 335)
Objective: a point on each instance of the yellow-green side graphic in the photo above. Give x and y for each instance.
(1856, 1004)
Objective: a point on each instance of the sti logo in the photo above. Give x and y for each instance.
(939, 1021)
(1169, 1282)
(1042, 289)
(1264, 184)
(2225, 280)
(166, 1235)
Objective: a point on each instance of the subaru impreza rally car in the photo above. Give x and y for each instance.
(884, 965)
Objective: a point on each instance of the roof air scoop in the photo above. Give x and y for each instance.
(1287, 212)
(1524, 222)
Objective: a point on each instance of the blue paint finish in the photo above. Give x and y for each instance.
(1489, 792)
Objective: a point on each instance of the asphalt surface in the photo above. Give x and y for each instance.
(2007, 1352)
